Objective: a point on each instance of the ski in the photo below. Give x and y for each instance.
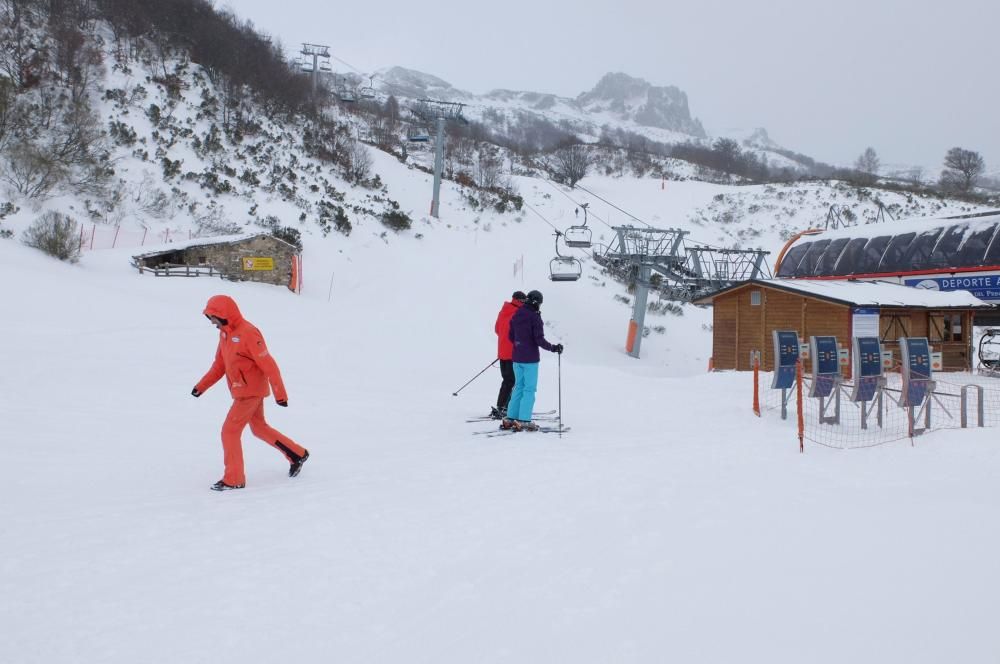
(540, 418)
(493, 433)
(540, 415)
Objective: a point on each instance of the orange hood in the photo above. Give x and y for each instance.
(223, 306)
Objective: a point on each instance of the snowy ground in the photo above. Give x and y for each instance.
(670, 524)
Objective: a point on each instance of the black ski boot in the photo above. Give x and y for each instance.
(222, 486)
(296, 466)
(496, 413)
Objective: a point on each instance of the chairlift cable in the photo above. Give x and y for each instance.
(691, 239)
(558, 232)
(590, 212)
(579, 186)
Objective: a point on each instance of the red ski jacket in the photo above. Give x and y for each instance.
(505, 347)
(242, 356)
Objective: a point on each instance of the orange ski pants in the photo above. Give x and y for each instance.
(250, 411)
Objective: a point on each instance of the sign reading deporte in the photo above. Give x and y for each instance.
(983, 286)
(258, 264)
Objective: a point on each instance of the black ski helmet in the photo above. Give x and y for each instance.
(534, 297)
(519, 296)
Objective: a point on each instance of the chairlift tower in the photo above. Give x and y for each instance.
(687, 271)
(315, 51)
(440, 112)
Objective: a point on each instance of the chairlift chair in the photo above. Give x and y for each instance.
(989, 352)
(580, 236)
(564, 268)
(368, 91)
(417, 134)
(344, 93)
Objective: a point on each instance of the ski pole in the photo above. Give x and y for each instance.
(559, 382)
(455, 393)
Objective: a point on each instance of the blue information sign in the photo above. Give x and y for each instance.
(825, 365)
(983, 286)
(786, 354)
(867, 368)
(916, 369)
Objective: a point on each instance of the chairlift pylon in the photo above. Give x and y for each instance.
(564, 268)
(579, 236)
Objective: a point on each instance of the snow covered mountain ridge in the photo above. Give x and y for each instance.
(618, 100)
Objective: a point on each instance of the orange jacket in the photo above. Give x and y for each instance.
(242, 356)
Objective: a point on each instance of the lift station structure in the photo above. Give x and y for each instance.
(687, 271)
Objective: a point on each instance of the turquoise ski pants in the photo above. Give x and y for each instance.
(522, 399)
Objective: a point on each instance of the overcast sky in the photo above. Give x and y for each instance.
(909, 78)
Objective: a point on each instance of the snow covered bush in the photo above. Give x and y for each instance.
(56, 234)
(397, 220)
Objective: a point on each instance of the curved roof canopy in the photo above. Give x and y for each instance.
(904, 246)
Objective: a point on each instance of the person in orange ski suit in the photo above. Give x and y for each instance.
(250, 372)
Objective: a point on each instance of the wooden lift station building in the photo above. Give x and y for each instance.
(745, 315)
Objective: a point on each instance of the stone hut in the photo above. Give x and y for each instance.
(261, 257)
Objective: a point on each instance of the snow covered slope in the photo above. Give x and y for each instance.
(669, 524)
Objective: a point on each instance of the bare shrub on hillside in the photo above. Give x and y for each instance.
(569, 164)
(961, 169)
(214, 222)
(62, 145)
(56, 234)
(488, 167)
(360, 162)
(868, 165)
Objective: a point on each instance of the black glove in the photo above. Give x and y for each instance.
(283, 403)
(195, 392)
(558, 348)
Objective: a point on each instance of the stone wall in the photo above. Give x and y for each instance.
(236, 260)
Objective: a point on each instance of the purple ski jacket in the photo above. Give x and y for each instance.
(526, 331)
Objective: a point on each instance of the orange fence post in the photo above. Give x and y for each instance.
(798, 397)
(756, 386)
(293, 280)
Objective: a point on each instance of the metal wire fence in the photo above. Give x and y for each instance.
(895, 412)
(110, 237)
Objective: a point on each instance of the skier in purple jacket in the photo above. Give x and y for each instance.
(528, 335)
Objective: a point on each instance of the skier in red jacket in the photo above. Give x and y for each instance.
(251, 373)
(505, 351)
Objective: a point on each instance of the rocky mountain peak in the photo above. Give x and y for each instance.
(635, 99)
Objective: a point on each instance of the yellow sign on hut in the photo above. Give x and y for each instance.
(257, 264)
